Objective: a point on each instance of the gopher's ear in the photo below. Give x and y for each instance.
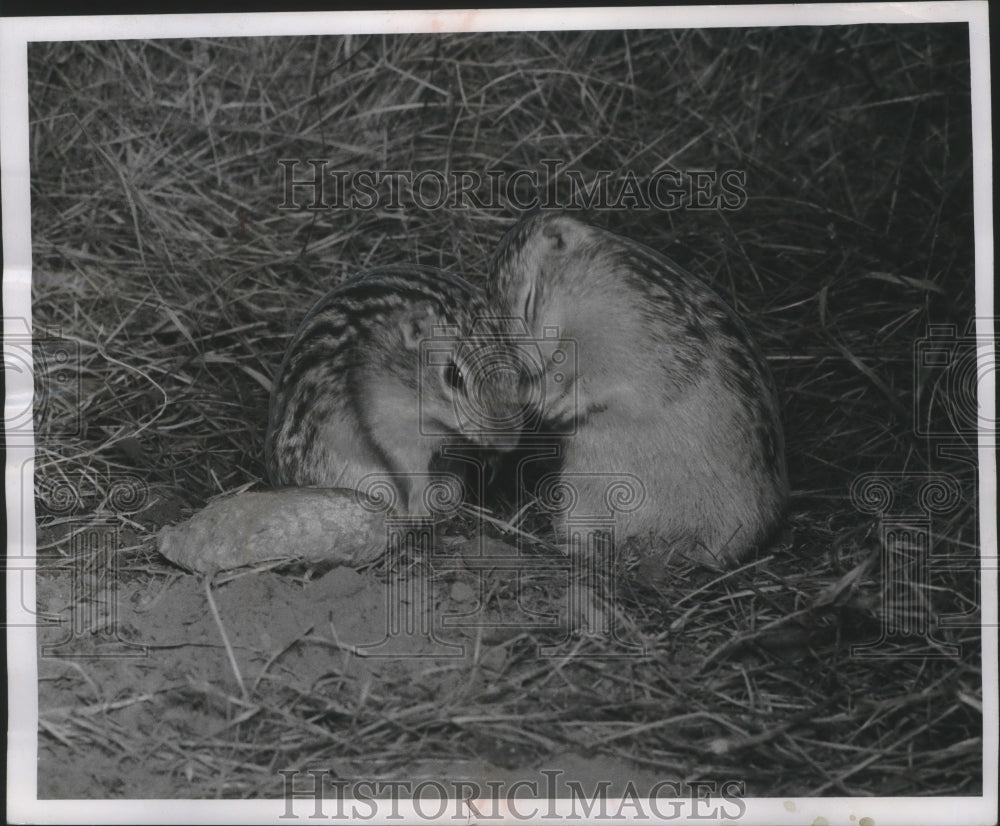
(554, 232)
(416, 325)
(562, 231)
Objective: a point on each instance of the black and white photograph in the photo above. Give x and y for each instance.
(493, 417)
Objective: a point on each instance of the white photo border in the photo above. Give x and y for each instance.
(16, 33)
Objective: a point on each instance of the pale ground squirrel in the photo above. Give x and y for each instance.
(668, 387)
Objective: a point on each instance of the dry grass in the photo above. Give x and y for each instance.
(160, 250)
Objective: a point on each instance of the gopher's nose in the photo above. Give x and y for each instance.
(504, 419)
(503, 441)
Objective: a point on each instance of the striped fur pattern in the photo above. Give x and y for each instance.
(379, 376)
(669, 386)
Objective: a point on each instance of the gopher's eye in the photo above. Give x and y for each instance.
(453, 376)
(529, 304)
